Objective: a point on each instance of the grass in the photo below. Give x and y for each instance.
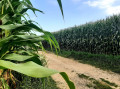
(106, 62)
(26, 82)
(89, 85)
(37, 83)
(110, 83)
(83, 76)
(95, 83)
(99, 85)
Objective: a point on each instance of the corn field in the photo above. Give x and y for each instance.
(102, 37)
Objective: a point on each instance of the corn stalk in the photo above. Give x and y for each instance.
(100, 37)
(19, 46)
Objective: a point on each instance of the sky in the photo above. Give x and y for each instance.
(76, 12)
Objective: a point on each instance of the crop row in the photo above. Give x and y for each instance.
(99, 37)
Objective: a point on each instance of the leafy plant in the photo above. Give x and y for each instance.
(19, 46)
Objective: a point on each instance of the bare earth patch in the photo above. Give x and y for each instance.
(73, 68)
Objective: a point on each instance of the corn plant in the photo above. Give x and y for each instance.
(19, 46)
(102, 37)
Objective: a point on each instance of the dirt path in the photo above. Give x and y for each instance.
(73, 68)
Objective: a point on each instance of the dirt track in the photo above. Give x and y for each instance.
(73, 68)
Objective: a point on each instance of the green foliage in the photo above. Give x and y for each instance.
(29, 68)
(70, 84)
(19, 46)
(36, 83)
(110, 83)
(83, 76)
(89, 85)
(4, 83)
(96, 84)
(102, 36)
(99, 85)
(60, 4)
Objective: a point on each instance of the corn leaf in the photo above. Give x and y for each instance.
(61, 8)
(29, 68)
(34, 70)
(66, 78)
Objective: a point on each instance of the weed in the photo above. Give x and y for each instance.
(94, 83)
(89, 85)
(99, 85)
(106, 81)
(83, 76)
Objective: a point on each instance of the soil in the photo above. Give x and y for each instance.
(73, 68)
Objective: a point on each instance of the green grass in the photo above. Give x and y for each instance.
(95, 83)
(89, 85)
(106, 62)
(83, 76)
(110, 83)
(26, 82)
(99, 85)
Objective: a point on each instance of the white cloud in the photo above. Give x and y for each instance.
(107, 5)
(113, 10)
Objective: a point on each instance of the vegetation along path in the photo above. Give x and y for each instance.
(83, 75)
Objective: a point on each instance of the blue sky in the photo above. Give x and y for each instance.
(76, 12)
